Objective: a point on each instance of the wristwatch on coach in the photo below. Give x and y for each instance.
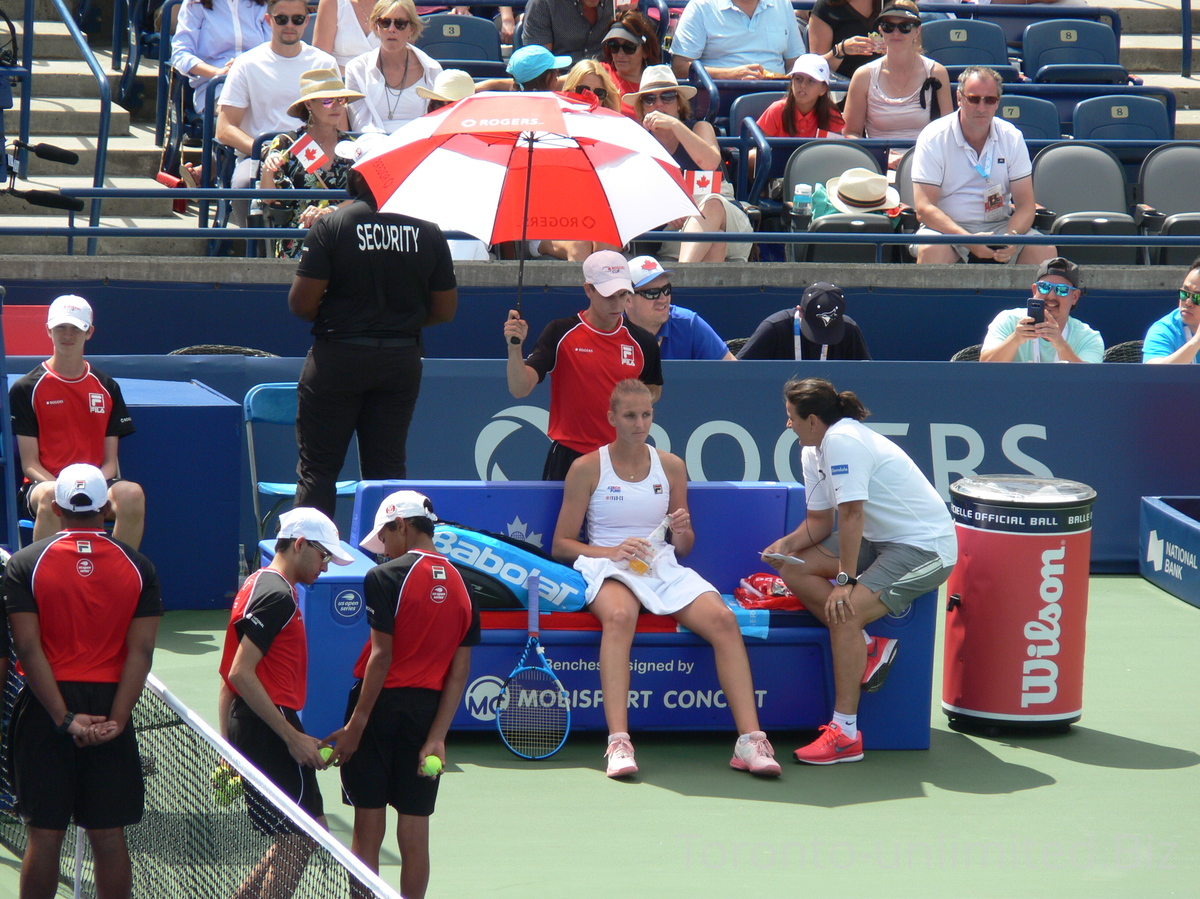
(844, 579)
(65, 727)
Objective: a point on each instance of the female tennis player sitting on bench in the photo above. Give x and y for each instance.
(648, 483)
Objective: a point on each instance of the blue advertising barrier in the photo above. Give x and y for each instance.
(1170, 542)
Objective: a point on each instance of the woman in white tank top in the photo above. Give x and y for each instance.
(898, 94)
(634, 499)
(343, 29)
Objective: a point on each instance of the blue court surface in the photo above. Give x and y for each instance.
(1108, 809)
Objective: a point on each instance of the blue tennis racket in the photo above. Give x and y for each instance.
(533, 711)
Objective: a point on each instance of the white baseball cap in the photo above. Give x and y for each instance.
(313, 525)
(608, 272)
(401, 504)
(81, 488)
(70, 310)
(813, 65)
(644, 269)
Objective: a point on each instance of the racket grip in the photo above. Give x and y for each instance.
(533, 585)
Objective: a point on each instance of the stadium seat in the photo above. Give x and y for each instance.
(1084, 185)
(706, 104)
(846, 223)
(968, 353)
(752, 105)
(1037, 118)
(815, 163)
(1129, 351)
(274, 404)
(904, 178)
(959, 43)
(1119, 118)
(1072, 51)
(464, 42)
(1169, 184)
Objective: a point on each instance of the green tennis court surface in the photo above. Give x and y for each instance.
(1109, 809)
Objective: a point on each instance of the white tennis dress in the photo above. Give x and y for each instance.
(619, 509)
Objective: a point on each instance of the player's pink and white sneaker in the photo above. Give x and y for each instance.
(881, 653)
(752, 752)
(831, 747)
(620, 756)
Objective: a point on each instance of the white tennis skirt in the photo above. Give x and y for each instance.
(666, 589)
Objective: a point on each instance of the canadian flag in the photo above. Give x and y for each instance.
(309, 153)
(703, 182)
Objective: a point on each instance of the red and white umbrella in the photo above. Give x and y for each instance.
(513, 166)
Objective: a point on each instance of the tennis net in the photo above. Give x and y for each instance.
(213, 825)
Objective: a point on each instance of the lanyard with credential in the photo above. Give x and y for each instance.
(984, 167)
(799, 347)
(1036, 352)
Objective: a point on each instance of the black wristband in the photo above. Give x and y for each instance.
(65, 727)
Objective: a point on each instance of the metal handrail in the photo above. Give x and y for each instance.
(1185, 30)
(23, 72)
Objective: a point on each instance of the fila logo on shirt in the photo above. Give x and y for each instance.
(627, 355)
(96, 403)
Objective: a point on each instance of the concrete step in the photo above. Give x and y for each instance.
(1187, 90)
(1155, 52)
(1187, 124)
(73, 78)
(40, 245)
(142, 208)
(52, 40)
(132, 154)
(64, 115)
(1150, 16)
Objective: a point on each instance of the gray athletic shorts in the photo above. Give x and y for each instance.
(898, 572)
(976, 228)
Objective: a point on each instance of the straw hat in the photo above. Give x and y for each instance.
(450, 86)
(861, 190)
(318, 84)
(659, 78)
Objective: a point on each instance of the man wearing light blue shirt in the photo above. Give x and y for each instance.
(737, 39)
(1015, 336)
(1176, 336)
(210, 36)
(681, 333)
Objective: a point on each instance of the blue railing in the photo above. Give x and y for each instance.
(22, 72)
(1186, 31)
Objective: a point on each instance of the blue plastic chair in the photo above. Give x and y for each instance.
(460, 37)
(1121, 118)
(273, 404)
(959, 43)
(752, 105)
(1071, 51)
(1037, 118)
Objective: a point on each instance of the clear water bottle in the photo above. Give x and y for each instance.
(802, 201)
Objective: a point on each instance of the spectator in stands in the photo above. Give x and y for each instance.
(389, 77)
(534, 68)
(344, 29)
(843, 31)
(573, 29)
(627, 571)
(589, 80)
(877, 528)
(449, 87)
(816, 329)
(208, 38)
(84, 611)
(738, 39)
(292, 163)
(409, 681)
(972, 175)
(807, 110)
(264, 684)
(630, 45)
(1176, 336)
(1013, 336)
(662, 107)
(681, 333)
(900, 93)
(261, 88)
(65, 411)
(588, 354)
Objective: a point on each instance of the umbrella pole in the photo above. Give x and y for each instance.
(524, 232)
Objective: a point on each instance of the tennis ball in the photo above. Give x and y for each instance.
(227, 786)
(433, 766)
(326, 753)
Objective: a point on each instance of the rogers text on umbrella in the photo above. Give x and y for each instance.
(401, 238)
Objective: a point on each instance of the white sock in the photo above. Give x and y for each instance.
(847, 723)
(866, 638)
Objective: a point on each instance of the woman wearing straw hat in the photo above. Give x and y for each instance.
(661, 105)
(449, 87)
(290, 162)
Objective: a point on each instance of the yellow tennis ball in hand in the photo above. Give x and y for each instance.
(326, 753)
(432, 766)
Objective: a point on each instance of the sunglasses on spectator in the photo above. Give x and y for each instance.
(665, 98)
(600, 93)
(326, 555)
(1185, 295)
(298, 19)
(385, 23)
(617, 46)
(975, 100)
(902, 27)
(653, 293)
(1046, 287)
(328, 102)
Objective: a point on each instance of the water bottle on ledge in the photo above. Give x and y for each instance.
(802, 206)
